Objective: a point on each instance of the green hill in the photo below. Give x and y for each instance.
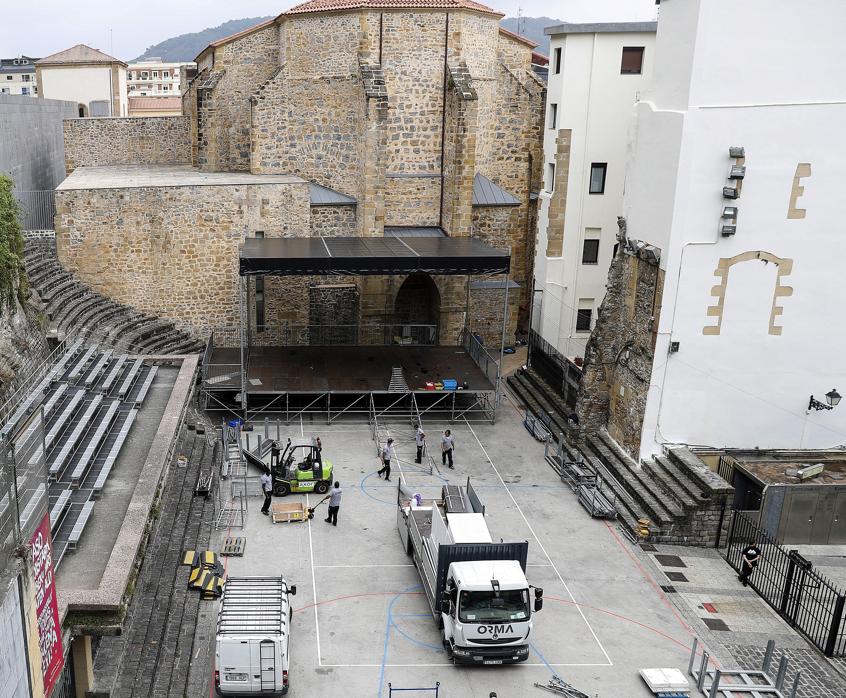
(185, 47)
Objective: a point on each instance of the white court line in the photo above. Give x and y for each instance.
(324, 567)
(314, 589)
(302, 431)
(412, 666)
(540, 545)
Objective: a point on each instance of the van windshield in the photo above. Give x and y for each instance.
(485, 607)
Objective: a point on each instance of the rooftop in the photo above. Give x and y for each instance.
(324, 196)
(132, 176)
(518, 37)
(486, 193)
(335, 5)
(79, 54)
(155, 103)
(601, 28)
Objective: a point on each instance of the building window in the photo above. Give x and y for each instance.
(632, 63)
(35, 89)
(590, 251)
(597, 177)
(557, 60)
(553, 115)
(24, 90)
(584, 315)
(144, 75)
(4, 90)
(9, 77)
(550, 177)
(25, 78)
(166, 74)
(165, 88)
(155, 73)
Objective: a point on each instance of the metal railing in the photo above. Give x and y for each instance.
(791, 586)
(372, 334)
(483, 358)
(555, 368)
(26, 379)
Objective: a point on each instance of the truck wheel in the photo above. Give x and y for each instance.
(321, 487)
(281, 489)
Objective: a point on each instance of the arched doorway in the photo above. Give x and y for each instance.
(417, 310)
(83, 110)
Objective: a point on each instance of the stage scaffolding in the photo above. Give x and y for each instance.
(251, 374)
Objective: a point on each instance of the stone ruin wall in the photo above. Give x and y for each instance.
(148, 140)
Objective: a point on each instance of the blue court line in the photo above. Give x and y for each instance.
(365, 492)
(542, 658)
(389, 622)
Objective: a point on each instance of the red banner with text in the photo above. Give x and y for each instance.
(47, 608)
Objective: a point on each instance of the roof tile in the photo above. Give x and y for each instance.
(79, 54)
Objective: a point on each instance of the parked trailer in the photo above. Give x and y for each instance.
(252, 647)
(477, 589)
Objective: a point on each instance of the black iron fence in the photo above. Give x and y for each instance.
(790, 584)
(36, 209)
(555, 368)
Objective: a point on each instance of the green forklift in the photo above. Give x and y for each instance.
(301, 468)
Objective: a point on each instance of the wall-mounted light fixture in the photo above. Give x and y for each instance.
(737, 172)
(832, 399)
(730, 193)
(730, 212)
(728, 230)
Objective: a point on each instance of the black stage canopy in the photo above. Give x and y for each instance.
(370, 255)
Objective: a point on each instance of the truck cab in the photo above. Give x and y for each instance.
(487, 614)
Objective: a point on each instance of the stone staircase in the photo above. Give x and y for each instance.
(684, 501)
(74, 309)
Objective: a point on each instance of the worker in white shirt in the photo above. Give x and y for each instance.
(447, 445)
(267, 488)
(420, 440)
(387, 456)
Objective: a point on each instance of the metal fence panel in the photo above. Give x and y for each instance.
(36, 209)
(791, 586)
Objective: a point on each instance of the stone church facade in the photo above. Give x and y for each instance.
(420, 120)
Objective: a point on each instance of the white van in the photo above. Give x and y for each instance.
(253, 635)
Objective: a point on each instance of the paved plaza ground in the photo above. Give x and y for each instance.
(362, 622)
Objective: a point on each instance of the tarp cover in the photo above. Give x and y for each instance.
(370, 255)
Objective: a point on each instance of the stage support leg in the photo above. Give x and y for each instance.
(498, 392)
(243, 311)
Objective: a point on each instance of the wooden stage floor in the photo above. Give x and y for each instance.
(343, 369)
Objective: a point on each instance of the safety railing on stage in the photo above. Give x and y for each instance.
(483, 358)
(371, 334)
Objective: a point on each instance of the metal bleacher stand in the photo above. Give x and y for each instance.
(72, 440)
(59, 425)
(113, 453)
(80, 365)
(79, 526)
(113, 374)
(94, 373)
(93, 446)
(145, 387)
(128, 382)
(57, 511)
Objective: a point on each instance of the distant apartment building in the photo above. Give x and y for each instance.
(91, 78)
(17, 76)
(596, 72)
(154, 78)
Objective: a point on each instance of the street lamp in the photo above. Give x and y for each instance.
(832, 398)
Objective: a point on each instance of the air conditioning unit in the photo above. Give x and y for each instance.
(808, 471)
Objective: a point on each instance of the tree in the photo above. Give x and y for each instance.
(12, 275)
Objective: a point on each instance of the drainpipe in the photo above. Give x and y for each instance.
(443, 120)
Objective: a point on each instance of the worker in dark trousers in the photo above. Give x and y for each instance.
(274, 454)
(387, 455)
(267, 488)
(447, 446)
(334, 498)
(420, 440)
(750, 557)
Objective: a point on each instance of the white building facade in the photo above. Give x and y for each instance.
(91, 78)
(596, 72)
(154, 78)
(751, 319)
(17, 76)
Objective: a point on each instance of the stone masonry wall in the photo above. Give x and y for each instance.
(174, 251)
(558, 200)
(459, 167)
(245, 64)
(486, 316)
(333, 221)
(150, 140)
(619, 354)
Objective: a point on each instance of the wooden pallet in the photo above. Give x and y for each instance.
(288, 513)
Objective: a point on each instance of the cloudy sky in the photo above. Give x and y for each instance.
(41, 27)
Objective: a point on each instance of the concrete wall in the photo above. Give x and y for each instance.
(32, 150)
(153, 140)
(756, 314)
(595, 105)
(173, 251)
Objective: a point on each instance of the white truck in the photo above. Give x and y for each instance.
(477, 589)
(253, 636)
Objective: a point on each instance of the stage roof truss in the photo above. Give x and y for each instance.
(359, 256)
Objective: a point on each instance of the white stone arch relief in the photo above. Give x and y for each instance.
(785, 267)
